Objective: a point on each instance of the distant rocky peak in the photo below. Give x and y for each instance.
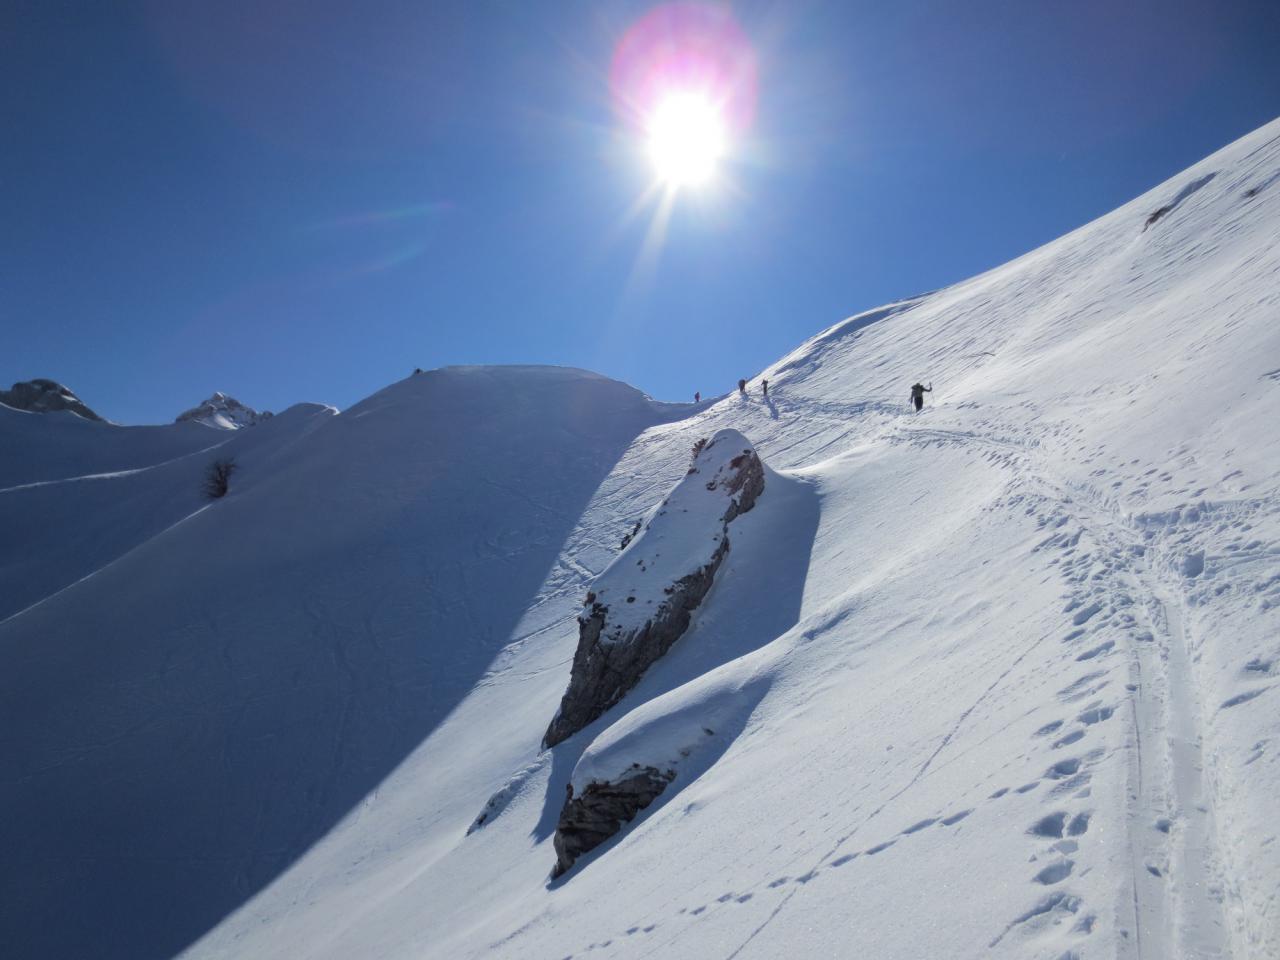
(225, 413)
(45, 396)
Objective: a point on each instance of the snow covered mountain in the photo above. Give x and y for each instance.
(225, 413)
(45, 396)
(993, 680)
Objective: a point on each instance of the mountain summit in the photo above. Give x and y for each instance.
(225, 413)
(45, 396)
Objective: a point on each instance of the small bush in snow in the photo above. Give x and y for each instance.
(217, 478)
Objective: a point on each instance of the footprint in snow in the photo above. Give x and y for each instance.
(1052, 826)
(1075, 690)
(1242, 698)
(1055, 872)
(1048, 728)
(1047, 912)
(920, 826)
(1097, 651)
(1094, 715)
(1069, 739)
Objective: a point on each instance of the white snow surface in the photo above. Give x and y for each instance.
(994, 680)
(678, 537)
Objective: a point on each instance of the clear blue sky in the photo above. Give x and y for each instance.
(304, 199)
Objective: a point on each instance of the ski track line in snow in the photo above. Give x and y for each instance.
(1176, 893)
(114, 560)
(960, 722)
(1176, 899)
(1177, 902)
(1175, 869)
(1147, 826)
(114, 474)
(928, 436)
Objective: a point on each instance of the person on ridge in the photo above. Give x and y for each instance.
(918, 391)
(742, 387)
(765, 384)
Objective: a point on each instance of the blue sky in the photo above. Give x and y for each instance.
(291, 200)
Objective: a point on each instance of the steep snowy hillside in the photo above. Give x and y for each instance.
(993, 680)
(58, 531)
(59, 445)
(183, 724)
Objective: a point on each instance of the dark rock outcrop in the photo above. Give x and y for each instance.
(603, 673)
(595, 815)
(620, 638)
(45, 396)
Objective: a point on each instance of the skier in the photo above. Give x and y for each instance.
(765, 384)
(742, 387)
(697, 396)
(918, 391)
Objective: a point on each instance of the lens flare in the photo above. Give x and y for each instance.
(686, 139)
(683, 78)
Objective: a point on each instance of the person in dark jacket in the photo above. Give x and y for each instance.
(765, 384)
(742, 386)
(917, 394)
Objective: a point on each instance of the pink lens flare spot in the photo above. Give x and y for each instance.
(681, 51)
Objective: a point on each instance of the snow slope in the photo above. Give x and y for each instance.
(997, 679)
(59, 531)
(43, 447)
(183, 724)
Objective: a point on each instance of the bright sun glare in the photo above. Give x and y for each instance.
(686, 139)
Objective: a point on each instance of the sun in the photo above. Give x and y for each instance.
(686, 134)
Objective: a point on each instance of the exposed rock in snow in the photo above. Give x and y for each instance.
(45, 396)
(599, 812)
(678, 734)
(225, 413)
(641, 604)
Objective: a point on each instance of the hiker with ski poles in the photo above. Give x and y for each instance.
(918, 390)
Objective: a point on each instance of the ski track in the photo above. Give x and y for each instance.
(116, 474)
(1176, 893)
